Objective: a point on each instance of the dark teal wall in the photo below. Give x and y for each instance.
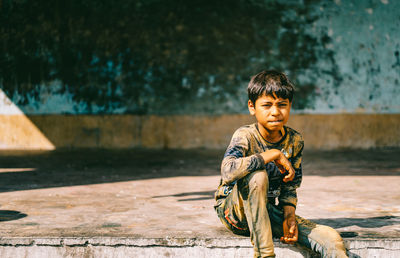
(174, 57)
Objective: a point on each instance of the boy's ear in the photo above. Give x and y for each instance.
(252, 108)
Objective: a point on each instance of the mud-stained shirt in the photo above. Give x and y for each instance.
(243, 157)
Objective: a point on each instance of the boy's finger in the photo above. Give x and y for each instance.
(291, 240)
(288, 178)
(291, 230)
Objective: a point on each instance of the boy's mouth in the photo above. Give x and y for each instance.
(275, 121)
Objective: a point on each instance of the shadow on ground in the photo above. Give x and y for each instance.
(7, 215)
(24, 170)
(205, 195)
(373, 222)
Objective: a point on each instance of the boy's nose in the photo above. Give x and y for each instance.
(274, 110)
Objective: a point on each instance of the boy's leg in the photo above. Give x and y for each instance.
(245, 210)
(231, 213)
(322, 239)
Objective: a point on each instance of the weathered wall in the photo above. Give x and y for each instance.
(131, 73)
(195, 57)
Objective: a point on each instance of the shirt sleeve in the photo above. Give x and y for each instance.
(236, 164)
(288, 194)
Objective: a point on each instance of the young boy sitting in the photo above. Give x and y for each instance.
(263, 163)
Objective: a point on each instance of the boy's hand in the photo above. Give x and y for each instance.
(284, 166)
(281, 162)
(290, 231)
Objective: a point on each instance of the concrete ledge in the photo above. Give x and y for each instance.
(137, 247)
(174, 247)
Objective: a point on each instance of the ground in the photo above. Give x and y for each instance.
(169, 193)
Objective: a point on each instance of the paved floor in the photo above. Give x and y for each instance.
(161, 193)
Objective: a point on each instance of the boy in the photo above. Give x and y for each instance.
(263, 163)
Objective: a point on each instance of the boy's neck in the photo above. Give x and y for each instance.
(269, 135)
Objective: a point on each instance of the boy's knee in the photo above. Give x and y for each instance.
(258, 181)
(255, 184)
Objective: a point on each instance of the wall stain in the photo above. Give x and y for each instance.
(396, 54)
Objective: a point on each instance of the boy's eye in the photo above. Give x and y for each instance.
(283, 105)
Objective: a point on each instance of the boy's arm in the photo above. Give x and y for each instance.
(288, 196)
(237, 163)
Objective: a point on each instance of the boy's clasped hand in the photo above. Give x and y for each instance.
(285, 166)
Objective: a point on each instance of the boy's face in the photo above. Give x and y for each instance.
(270, 111)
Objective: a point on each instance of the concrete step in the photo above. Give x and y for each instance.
(110, 247)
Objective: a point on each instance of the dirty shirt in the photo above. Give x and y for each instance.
(243, 157)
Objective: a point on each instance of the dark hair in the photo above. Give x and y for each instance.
(269, 83)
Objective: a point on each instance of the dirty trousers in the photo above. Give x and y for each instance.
(246, 211)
